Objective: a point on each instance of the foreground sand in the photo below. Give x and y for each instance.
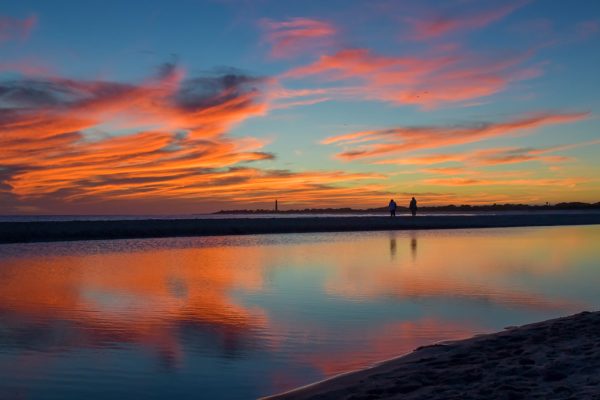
(18, 232)
(555, 359)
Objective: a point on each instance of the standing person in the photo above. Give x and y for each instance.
(392, 207)
(413, 207)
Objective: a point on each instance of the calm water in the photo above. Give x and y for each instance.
(240, 317)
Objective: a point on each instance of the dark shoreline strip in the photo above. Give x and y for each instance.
(45, 231)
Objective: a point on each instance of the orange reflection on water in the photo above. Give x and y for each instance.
(141, 297)
(329, 302)
(480, 264)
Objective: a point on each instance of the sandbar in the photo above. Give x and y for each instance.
(45, 231)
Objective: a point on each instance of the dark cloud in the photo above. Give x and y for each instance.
(209, 91)
(167, 70)
(30, 93)
(195, 93)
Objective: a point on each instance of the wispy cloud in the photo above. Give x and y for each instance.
(282, 98)
(168, 140)
(15, 28)
(493, 156)
(561, 182)
(427, 80)
(398, 140)
(445, 170)
(546, 33)
(296, 36)
(512, 155)
(587, 29)
(450, 21)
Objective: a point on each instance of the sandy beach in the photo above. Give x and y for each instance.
(554, 359)
(23, 232)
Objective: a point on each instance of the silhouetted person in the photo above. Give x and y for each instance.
(392, 207)
(413, 207)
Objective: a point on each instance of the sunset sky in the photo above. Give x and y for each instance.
(194, 106)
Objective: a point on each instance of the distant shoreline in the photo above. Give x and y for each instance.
(557, 358)
(48, 231)
(574, 206)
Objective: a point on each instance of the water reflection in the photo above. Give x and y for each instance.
(392, 247)
(156, 299)
(413, 245)
(269, 311)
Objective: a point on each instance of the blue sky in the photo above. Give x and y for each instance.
(235, 103)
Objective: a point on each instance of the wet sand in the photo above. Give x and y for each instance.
(42, 231)
(554, 359)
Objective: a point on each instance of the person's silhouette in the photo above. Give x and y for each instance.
(413, 207)
(392, 207)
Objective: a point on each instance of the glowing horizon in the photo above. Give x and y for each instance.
(228, 104)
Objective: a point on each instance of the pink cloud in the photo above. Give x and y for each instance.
(587, 29)
(443, 24)
(29, 66)
(425, 80)
(349, 63)
(296, 35)
(14, 28)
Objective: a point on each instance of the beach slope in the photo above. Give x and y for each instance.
(555, 359)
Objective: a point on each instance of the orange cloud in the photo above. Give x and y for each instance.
(169, 141)
(445, 170)
(296, 35)
(404, 139)
(502, 155)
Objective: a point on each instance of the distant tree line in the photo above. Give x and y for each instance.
(447, 208)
